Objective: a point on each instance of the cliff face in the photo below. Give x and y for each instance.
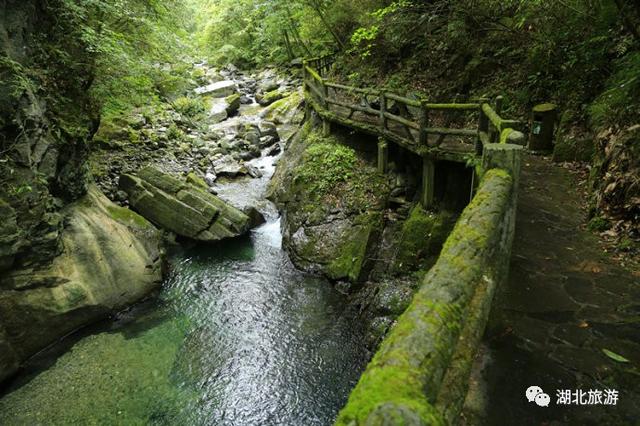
(43, 138)
(50, 229)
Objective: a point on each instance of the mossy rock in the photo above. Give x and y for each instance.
(233, 103)
(110, 258)
(183, 208)
(111, 132)
(422, 237)
(350, 263)
(196, 180)
(268, 98)
(334, 201)
(287, 110)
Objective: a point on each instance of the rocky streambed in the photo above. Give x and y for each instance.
(262, 319)
(236, 334)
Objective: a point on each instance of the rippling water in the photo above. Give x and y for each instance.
(237, 336)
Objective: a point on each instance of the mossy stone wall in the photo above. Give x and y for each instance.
(427, 355)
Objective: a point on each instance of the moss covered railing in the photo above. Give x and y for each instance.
(419, 376)
(401, 119)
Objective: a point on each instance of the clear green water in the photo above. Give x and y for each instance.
(237, 336)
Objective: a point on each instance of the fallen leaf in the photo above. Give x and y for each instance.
(583, 324)
(614, 356)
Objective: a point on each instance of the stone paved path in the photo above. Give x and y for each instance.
(565, 302)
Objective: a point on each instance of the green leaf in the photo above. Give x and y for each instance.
(614, 356)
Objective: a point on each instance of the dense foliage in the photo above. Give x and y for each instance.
(124, 53)
(583, 55)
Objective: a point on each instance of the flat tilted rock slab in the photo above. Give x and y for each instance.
(182, 208)
(219, 89)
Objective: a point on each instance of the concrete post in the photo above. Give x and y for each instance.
(543, 121)
(383, 156)
(504, 156)
(428, 181)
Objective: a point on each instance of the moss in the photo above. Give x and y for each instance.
(332, 173)
(285, 110)
(233, 103)
(196, 180)
(110, 131)
(174, 133)
(134, 136)
(190, 107)
(128, 217)
(406, 374)
(351, 259)
(388, 385)
(423, 234)
(272, 96)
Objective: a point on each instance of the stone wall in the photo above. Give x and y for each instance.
(420, 373)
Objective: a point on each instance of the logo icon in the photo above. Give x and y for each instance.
(537, 395)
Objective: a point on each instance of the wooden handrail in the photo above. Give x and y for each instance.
(407, 101)
(490, 124)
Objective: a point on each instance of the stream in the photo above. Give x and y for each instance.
(235, 336)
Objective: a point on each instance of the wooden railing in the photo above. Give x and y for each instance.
(402, 119)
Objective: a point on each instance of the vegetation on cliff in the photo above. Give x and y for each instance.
(581, 54)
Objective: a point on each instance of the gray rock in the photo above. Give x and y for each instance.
(181, 208)
(268, 85)
(218, 111)
(255, 217)
(210, 178)
(274, 150)
(220, 89)
(268, 128)
(266, 141)
(253, 171)
(228, 167)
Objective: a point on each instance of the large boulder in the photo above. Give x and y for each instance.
(218, 111)
(333, 202)
(110, 258)
(288, 110)
(182, 208)
(267, 98)
(220, 89)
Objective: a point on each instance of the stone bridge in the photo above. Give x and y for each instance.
(420, 374)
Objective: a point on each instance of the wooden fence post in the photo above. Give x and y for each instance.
(424, 123)
(428, 181)
(483, 126)
(383, 156)
(494, 133)
(383, 111)
(325, 94)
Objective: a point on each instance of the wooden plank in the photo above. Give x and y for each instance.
(428, 182)
(354, 89)
(457, 107)
(354, 107)
(424, 123)
(402, 120)
(407, 101)
(452, 132)
(383, 156)
(313, 74)
(484, 137)
(493, 117)
(383, 112)
(317, 92)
